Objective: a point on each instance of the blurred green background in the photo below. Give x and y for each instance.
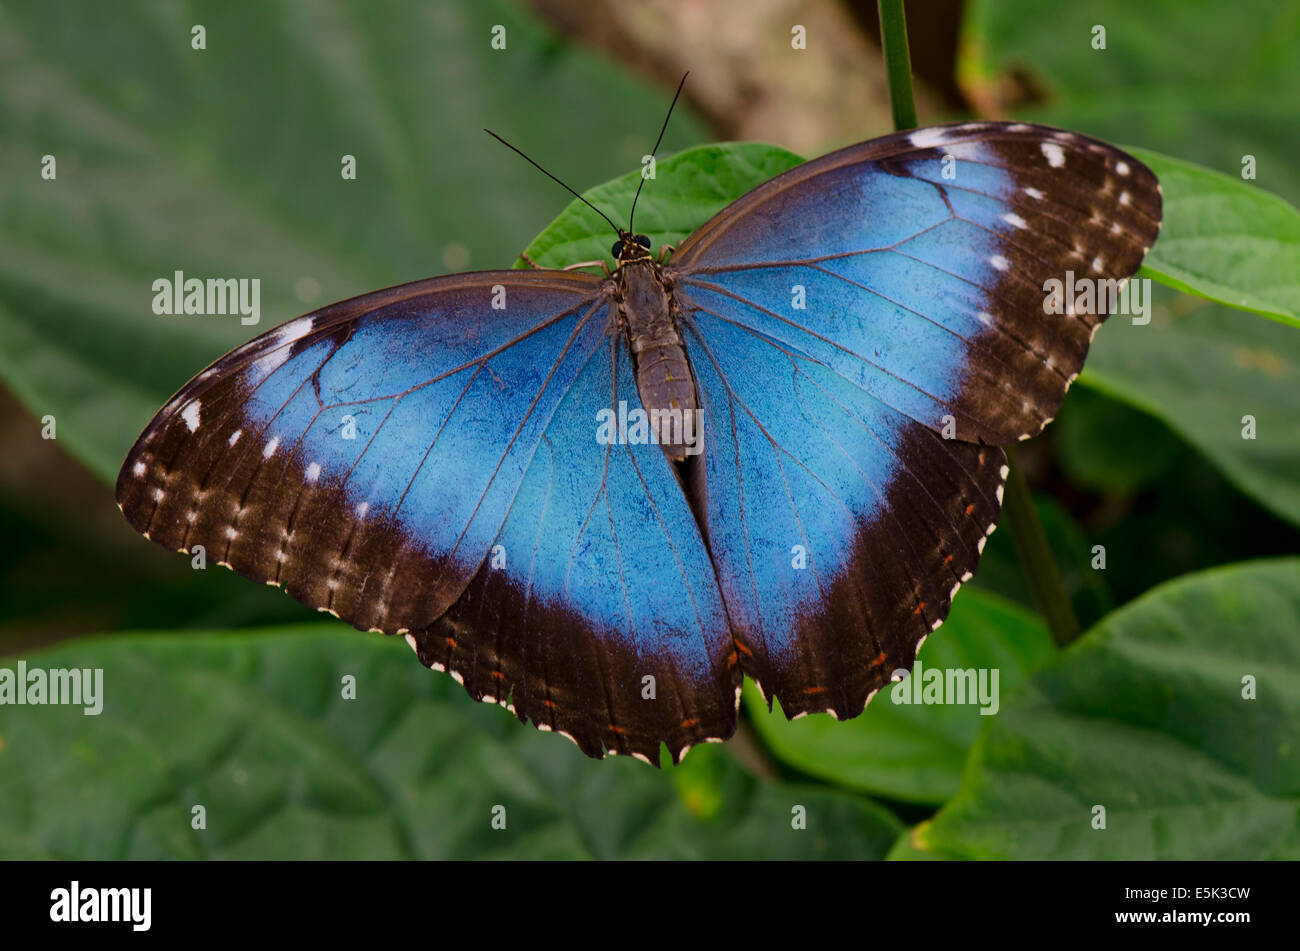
(226, 161)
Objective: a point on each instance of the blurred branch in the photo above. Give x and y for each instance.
(750, 80)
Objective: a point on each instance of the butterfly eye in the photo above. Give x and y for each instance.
(617, 250)
(642, 240)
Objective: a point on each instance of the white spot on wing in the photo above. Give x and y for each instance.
(294, 330)
(1122, 168)
(271, 446)
(928, 138)
(1014, 219)
(138, 469)
(191, 416)
(234, 437)
(999, 262)
(313, 471)
(1055, 154)
(1034, 193)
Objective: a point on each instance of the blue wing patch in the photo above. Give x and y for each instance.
(866, 330)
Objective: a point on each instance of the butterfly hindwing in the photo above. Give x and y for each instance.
(606, 623)
(840, 528)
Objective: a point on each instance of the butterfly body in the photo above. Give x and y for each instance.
(857, 336)
(663, 371)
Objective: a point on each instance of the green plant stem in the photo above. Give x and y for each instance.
(1036, 559)
(898, 62)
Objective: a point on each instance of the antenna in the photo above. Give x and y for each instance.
(662, 130)
(556, 180)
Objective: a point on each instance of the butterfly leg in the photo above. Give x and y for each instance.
(533, 264)
(601, 264)
(666, 250)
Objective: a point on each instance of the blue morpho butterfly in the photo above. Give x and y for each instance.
(828, 368)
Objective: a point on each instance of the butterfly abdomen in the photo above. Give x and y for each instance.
(663, 374)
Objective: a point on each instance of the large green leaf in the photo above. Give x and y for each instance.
(907, 751)
(226, 162)
(254, 728)
(1148, 717)
(1211, 84)
(1106, 445)
(688, 189)
(1226, 240)
(1089, 591)
(1203, 369)
(1146, 480)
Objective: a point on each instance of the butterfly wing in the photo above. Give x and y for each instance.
(610, 627)
(842, 319)
(424, 459)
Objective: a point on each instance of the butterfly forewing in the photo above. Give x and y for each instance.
(370, 443)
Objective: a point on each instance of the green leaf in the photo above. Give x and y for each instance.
(1208, 85)
(1203, 369)
(1000, 570)
(688, 189)
(907, 751)
(1147, 716)
(1225, 240)
(1108, 446)
(226, 162)
(910, 847)
(253, 727)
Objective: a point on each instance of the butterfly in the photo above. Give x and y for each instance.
(602, 500)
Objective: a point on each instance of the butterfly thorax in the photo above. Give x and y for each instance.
(663, 374)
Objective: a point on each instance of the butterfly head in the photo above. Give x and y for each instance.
(630, 247)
